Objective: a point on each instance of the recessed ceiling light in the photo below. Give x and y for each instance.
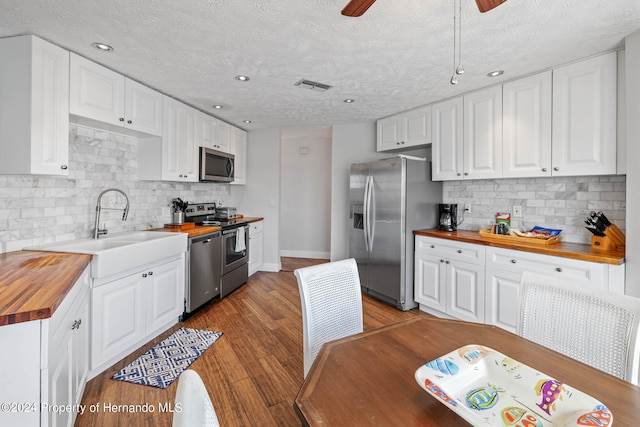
(218, 106)
(103, 47)
(246, 121)
(495, 73)
(242, 78)
(349, 100)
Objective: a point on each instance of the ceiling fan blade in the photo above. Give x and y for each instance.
(357, 8)
(487, 5)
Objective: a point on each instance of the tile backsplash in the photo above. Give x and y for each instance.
(554, 202)
(37, 209)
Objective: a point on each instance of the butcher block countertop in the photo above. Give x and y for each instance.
(33, 284)
(566, 250)
(199, 230)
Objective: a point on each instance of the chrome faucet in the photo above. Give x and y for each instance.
(97, 231)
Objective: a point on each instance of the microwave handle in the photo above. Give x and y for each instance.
(229, 167)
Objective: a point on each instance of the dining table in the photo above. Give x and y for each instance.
(368, 379)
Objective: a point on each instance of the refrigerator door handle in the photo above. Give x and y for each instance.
(365, 214)
(372, 213)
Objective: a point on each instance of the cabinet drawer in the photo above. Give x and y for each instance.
(255, 227)
(451, 250)
(519, 261)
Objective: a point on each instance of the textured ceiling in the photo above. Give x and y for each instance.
(397, 56)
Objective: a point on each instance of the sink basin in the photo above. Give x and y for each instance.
(124, 251)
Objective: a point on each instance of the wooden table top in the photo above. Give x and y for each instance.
(566, 250)
(368, 379)
(33, 284)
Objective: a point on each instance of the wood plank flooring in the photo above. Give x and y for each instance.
(253, 372)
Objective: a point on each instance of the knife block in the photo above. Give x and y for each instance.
(613, 240)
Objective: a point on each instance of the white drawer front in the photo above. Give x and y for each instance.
(255, 227)
(519, 261)
(450, 249)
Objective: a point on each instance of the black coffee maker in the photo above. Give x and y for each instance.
(448, 214)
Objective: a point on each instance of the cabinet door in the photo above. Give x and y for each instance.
(430, 281)
(50, 109)
(80, 349)
(526, 127)
(584, 117)
(482, 149)
(164, 290)
(256, 241)
(239, 150)
(179, 152)
(447, 140)
(222, 136)
(465, 291)
(95, 91)
(389, 133)
(60, 382)
(117, 318)
(205, 130)
(143, 108)
(416, 127)
(501, 298)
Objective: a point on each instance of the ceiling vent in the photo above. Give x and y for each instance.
(308, 84)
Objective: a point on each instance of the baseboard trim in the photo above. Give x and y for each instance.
(306, 254)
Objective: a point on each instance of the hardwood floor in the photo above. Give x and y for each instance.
(253, 372)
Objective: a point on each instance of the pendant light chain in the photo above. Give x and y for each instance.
(457, 42)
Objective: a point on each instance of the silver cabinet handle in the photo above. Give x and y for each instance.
(513, 261)
(441, 260)
(458, 174)
(446, 262)
(466, 174)
(556, 169)
(129, 122)
(459, 251)
(76, 324)
(121, 119)
(144, 274)
(559, 269)
(432, 246)
(63, 167)
(544, 169)
(151, 273)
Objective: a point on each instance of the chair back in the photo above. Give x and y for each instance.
(331, 304)
(593, 326)
(196, 408)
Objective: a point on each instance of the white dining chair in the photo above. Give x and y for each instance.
(193, 405)
(593, 326)
(331, 304)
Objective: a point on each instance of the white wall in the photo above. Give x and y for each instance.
(261, 195)
(305, 192)
(632, 52)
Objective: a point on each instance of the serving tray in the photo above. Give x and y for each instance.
(487, 234)
(487, 388)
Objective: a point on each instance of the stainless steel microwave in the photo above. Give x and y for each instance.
(216, 166)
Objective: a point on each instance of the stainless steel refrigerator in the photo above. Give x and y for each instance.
(389, 199)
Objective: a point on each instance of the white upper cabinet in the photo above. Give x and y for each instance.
(584, 117)
(409, 129)
(239, 150)
(100, 94)
(526, 126)
(222, 136)
(446, 150)
(179, 149)
(205, 130)
(482, 150)
(34, 105)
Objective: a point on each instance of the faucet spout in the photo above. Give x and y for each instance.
(97, 231)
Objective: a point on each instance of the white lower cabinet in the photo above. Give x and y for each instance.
(130, 310)
(256, 242)
(47, 365)
(476, 283)
(449, 278)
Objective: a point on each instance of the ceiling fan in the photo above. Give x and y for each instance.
(358, 7)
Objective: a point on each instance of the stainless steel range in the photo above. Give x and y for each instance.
(234, 243)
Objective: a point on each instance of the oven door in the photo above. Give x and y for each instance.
(235, 248)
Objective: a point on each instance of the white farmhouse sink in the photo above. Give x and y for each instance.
(119, 252)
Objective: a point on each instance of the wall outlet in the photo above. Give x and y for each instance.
(517, 211)
(467, 207)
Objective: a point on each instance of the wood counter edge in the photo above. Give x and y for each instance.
(47, 308)
(576, 251)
